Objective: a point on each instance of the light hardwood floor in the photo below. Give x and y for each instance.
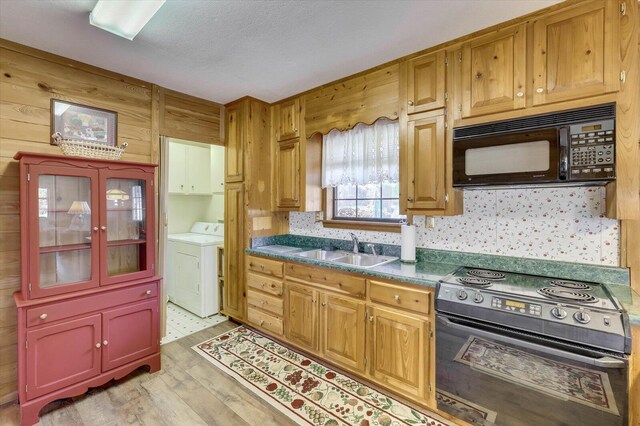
(187, 391)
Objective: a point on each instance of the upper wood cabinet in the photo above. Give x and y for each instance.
(575, 52)
(343, 331)
(493, 71)
(423, 155)
(288, 173)
(234, 132)
(287, 115)
(426, 83)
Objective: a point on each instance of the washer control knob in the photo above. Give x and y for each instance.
(559, 313)
(582, 317)
(462, 295)
(478, 298)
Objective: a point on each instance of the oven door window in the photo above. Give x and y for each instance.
(503, 159)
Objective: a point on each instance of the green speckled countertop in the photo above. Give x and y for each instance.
(434, 265)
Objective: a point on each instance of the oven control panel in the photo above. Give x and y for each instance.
(516, 306)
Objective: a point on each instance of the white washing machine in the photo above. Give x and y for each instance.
(192, 268)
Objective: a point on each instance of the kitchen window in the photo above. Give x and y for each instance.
(360, 173)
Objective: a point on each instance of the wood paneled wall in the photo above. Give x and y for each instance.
(29, 78)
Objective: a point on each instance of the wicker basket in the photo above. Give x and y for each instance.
(88, 149)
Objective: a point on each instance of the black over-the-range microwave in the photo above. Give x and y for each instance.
(572, 147)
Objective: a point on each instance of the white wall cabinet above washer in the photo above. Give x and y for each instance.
(189, 169)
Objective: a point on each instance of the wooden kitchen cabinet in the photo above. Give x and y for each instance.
(234, 139)
(301, 315)
(426, 83)
(576, 52)
(287, 116)
(342, 331)
(493, 69)
(265, 301)
(400, 351)
(423, 155)
(234, 232)
(288, 174)
(88, 309)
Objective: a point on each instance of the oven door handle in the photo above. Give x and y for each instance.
(604, 362)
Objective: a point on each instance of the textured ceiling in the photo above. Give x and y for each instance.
(222, 50)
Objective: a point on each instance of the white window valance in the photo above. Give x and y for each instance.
(363, 155)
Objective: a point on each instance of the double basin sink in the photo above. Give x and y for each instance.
(361, 260)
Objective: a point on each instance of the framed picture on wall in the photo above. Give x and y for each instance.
(84, 123)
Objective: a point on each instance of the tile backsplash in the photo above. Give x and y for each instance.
(565, 224)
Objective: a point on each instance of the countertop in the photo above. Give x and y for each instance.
(425, 273)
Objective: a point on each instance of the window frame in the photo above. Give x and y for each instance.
(364, 224)
(356, 199)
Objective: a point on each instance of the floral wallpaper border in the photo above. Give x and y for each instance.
(564, 224)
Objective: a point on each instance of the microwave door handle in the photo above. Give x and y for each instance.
(604, 362)
(563, 134)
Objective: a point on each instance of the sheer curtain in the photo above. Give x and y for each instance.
(362, 155)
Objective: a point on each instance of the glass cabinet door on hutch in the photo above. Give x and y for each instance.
(63, 224)
(127, 202)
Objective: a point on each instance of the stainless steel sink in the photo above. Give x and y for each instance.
(361, 260)
(364, 260)
(321, 254)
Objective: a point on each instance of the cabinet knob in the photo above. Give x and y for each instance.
(148, 292)
(410, 103)
(324, 303)
(371, 318)
(98, 345)
(410, 199)
(105, 342)
(262, 285)
(261, 322)
(314, 301)
(295, 130)
(539, 90)
(181, 186)
(519, 94)
(262, 302)
(104, 228)
(396, 298)
(95, 229)
(43, 316)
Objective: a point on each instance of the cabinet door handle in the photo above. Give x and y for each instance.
(410, 199)
(105, 342)
(148, 292)
(43, 316)
(295, 130)
(98, 345)
(539, 90)
(262, 322)
(519, 94)
(410, 102)
(324, 304)
(371, 318)
(396, 298)
(104, 228)
(95, 229)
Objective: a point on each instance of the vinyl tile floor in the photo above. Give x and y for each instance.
(181, 323)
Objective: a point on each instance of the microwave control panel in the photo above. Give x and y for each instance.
(592, 150)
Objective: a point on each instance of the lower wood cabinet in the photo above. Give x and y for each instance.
(301, 315)
(400, 351)
(342, 330)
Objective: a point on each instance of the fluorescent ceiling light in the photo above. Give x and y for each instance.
(124, 17)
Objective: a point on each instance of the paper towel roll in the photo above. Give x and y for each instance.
(408, 244)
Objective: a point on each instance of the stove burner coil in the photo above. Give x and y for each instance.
(566, 295)
(474, 281)
(573, 285)
(489, 275)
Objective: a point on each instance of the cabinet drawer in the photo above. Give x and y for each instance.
(338, 282)
(270, 304)
(46, 314)
(265, 266)
(262, 283)
(400, 297)
(266, 321)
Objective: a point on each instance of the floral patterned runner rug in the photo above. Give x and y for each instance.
(305, 391)
(467, 410)
(563, 381)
